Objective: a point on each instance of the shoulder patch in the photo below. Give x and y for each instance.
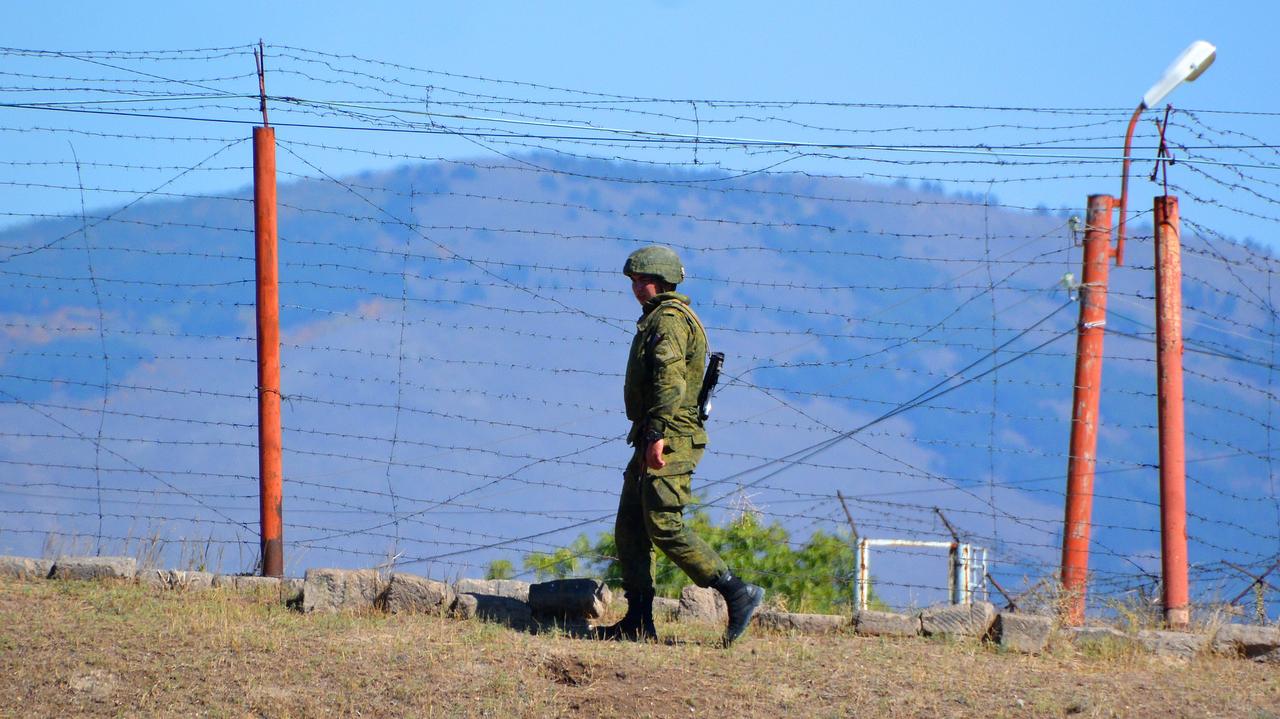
(654, 338)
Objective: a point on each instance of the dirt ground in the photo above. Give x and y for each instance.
(71, 648)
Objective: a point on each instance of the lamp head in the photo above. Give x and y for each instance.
(1193, 61)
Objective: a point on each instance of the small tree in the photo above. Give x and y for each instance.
(814, 576)
(560, 563)
(500, 569)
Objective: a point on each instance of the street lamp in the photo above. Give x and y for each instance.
(1193, 61)
(1086, 394)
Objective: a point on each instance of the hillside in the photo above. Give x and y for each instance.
(85, 649)
(453, 334)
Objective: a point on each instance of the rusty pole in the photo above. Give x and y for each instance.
(1173, 477)
(269, 444)
(1084, 407)
(266, 263)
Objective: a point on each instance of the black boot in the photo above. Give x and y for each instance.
(743, 600)
(637, 624)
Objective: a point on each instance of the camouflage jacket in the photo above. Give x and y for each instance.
(664, 370)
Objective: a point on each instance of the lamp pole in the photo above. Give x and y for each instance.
(1085, 401)
(1085, 405)
(1189, 65)
(1173, 465)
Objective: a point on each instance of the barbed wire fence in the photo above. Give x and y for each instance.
(455, 324)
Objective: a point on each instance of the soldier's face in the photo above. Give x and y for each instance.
(645, 287)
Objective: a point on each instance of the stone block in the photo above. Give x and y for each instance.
(1027, 633)
(1097, 637)
(666, 608)
(190, 580)
(332, 590)
(291, 589)
(1178, 645)
(95, 568)
(1252, 641)
(175, 579)
(511, 588)
(248, 584)
(253, 585)
(704, 605)
(25, 568)
(871, 623)
(492, 608)
(570, 598)
(802, 623)
(158, 578)
(958, 620)
(409, 594)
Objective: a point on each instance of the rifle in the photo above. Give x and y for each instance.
(709, 382)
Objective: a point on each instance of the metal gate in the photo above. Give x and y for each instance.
(966, 575)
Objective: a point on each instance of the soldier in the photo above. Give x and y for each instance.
(664, 375)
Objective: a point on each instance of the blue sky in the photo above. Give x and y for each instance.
(1082, 54)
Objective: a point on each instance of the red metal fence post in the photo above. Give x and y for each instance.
(1173, 480)
(1084, 407)
(270, 473)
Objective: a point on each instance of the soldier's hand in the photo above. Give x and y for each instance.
(653, 455)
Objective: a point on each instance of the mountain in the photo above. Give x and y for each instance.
(453, 340)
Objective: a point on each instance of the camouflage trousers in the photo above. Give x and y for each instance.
(651, 513)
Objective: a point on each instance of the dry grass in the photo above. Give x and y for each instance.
(69, 648)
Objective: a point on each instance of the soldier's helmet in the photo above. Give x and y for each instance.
(655, 260)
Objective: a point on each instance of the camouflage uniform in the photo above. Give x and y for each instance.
(664, 373)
